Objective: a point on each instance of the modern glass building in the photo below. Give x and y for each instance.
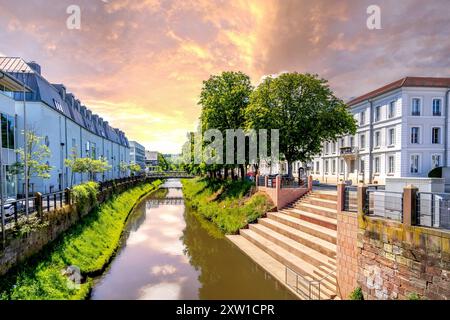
(137, 154)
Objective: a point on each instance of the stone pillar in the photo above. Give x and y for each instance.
(410, 205)
(361, 198)
(340, 196)
(278, 190)
(257, 180)
(310, 183)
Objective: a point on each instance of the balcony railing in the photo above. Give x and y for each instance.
(348, 151)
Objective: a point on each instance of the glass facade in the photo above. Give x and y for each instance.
(8, 127)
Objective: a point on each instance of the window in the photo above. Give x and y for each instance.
(415, 135)
(361, 166)
(93, 151)
(391, 137)
(342, 166)
(377, 113)
(362, 141)
(391, 109)
(352, 165)
(342, 142)
(362, 118)
(327, 148)
(415, 108)
(352, 142)
(333, 166)
(391, 164)
(317, 167)
(414, 163)
(333, 147)
(377, 165)
(436, 135)
(436, 160)
(377, 139)
(437, 107)
(8, 127)
(326, 166)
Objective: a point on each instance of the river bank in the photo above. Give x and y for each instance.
(230, 205)
(84, 250)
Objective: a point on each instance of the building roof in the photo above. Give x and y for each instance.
(56, 97)
(405, 82)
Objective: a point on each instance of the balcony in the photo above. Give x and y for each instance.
(349, 152)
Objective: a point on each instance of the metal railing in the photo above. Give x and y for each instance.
(386, 204)
(305, 286)
(351, 198)
(433, 210)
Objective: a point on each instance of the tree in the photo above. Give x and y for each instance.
(224, 99)
(37, 155)
(86, 165)
(162, 162)
(304, 109)
(134, 168)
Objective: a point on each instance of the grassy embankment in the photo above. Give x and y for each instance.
(228, 204)
(89, 246)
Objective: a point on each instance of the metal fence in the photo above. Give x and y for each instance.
(386, 204)
(350, 198)
(433, 210)
(307, 287)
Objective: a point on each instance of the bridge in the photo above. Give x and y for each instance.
(152, 203)
(170, 175)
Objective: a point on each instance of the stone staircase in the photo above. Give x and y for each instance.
(301, 237)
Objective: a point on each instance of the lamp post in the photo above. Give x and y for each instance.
(2, 201)
(25, 146)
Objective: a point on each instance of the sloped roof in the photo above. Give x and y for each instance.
(405, 82)
(50, 94)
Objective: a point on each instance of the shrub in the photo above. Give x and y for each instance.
(413, 296)
(85, 195)
(356, 294)
(435, 173)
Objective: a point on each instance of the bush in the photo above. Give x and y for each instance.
(85, 195)
(435, 173)
(413, 296)
(225, 203)
(356, 294)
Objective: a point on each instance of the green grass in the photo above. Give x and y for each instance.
(225, 203)
(89, 245)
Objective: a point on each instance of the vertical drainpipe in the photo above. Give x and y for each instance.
(66, 179)
(446, 127)
(370, 140)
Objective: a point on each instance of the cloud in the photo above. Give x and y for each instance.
(141, 64)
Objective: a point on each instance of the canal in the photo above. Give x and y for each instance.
(167, 252)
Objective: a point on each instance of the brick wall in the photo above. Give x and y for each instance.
(397, 260)
(347, 253)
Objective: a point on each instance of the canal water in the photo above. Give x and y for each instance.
(168, 252)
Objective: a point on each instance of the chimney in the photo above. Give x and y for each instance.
(35, 66)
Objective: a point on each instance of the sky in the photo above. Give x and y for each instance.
(140, 63)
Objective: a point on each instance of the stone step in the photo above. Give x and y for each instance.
(308, 254)
(326, 196)
(304, 226)
(317, 219)
(307, 207)
(290, 260)
(318, 244)
(330, 204)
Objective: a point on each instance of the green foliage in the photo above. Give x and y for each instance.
(413, 296)
(87, 165)
(356, 294)
(37, 155)
(89, 245)
(135, 168)
(85, 195)
(435, 173)
(304, 109)
(225, 203)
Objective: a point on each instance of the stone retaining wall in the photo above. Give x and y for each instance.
(19, 248)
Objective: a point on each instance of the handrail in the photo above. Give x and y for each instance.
(310, 283)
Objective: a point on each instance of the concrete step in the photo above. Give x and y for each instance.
(324, 195)
(304, 226)
(317, 219)
(318, 244)
(308, 254)
(327, 212)
(290, 260)
(330, 204)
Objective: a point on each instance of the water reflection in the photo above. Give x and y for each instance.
(167, 254)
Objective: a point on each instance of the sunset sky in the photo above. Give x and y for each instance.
(141, 63)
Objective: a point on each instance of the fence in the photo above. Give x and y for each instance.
(307, 287)
(386, 204)
(350, 199)
(433, 210)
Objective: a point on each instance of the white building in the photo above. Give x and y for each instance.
(403, 131)
(137, 154)
(66, 126)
